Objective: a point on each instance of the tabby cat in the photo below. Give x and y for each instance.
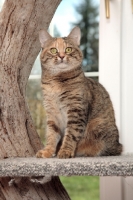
(80, 115)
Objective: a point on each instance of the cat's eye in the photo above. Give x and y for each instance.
(68, 50)
(53, 50)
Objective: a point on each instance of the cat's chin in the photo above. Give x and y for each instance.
(62, 65)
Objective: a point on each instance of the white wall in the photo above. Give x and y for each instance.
(116, 74)
(127, 76)
(110, 52)
(116, 64)
(127, 89)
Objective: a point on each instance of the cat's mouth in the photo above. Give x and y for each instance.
(60, 62)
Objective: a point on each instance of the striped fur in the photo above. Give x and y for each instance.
(80, 115)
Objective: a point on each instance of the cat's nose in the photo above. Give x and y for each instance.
(61, 56)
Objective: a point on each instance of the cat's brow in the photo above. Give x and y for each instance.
(60, 45)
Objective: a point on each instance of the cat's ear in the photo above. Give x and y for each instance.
(75, 35)
(43, 37)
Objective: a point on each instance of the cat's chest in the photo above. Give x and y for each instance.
(54, 106)
(52, 89)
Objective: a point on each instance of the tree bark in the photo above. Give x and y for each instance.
(20, 22)
(25, 190)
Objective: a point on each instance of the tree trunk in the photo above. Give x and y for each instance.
(20, 22)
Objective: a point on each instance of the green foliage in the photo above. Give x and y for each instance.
(82, 187)
(88, 23)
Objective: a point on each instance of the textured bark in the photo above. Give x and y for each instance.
(25, 190)
(20, 22)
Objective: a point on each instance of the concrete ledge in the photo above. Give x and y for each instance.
(97, 166)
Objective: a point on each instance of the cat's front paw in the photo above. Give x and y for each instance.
(44, 154)
(63, 153)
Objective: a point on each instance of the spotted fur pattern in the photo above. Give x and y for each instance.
(80, 115)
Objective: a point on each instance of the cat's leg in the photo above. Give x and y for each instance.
(91, 144)
(68, 146)
(74, 131)
(101, 139)
(89, 148)
(53, 137)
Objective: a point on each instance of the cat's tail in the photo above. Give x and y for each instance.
(119, 149)
(114, 150)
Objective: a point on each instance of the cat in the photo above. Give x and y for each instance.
(80, 115)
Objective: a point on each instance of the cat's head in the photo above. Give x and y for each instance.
(60, 54)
